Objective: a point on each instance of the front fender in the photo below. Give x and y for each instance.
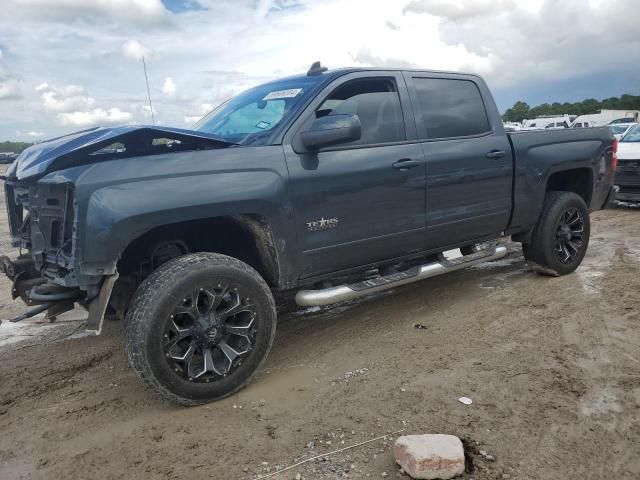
(120, 200)
(118, 214)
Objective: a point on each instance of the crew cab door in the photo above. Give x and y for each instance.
(468, 158)
(362, 201)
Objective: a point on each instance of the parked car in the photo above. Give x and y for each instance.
(7, 157)
(547, 122)
(334, 184)
(606, 117)
(556, 125)
(583, 124)
(620, 129)
(625, 120)
(627, 177)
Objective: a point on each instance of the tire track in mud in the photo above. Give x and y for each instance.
(53, 380)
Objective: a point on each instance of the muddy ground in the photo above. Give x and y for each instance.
(552, 366)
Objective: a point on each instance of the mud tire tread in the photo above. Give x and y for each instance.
(138, 320)
(539, 252)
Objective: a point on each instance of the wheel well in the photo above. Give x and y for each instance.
(245, 237)
(578, 180)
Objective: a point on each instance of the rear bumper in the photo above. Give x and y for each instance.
(625, 195)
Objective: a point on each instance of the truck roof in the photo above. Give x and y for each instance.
(328, 75)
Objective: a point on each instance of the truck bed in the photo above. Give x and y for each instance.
(538, 154)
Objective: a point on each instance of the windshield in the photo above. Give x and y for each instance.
(617, 129)
(632, 135)
(252, 116)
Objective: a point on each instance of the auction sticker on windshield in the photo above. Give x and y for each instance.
(290, 93)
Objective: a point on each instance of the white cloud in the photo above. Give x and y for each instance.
(206, 108)
(459, 9)
(134, 11)
(97, 116)
(135, 50)
(34, 134)
(64, 99)
(9, 87)
(529, 42)
(9, 84)
(212, 54)
(169, 88)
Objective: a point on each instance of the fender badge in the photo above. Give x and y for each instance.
(322, 224)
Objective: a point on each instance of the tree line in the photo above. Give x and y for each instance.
(522, 110)
(16, 147)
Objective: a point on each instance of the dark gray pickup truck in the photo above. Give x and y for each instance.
(334, 184)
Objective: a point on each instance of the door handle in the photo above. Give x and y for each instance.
(496, 154)
(406, 164)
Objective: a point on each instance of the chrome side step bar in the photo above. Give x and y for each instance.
(327, 296)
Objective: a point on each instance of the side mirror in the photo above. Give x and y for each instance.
(332, 130)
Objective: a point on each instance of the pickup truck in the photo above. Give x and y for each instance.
(331, 184)
(627, 177)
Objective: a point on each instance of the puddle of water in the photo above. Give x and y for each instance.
(37, 327)
(504, 262)
(280, 384)
(600, 402)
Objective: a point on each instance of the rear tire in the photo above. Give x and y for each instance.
(199, 327)
(561, 236)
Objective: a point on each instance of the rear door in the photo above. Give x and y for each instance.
(468, 159)
(363, 201)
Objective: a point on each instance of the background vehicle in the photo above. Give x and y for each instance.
(628, 171)
(624, 120)
(336, 184)
(605, 117)
(512, 126)
(583, 124)
(620, 129)
(7, 157)
(550, 122)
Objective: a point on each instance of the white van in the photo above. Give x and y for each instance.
(605, 117)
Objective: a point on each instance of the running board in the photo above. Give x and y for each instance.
(327, 296)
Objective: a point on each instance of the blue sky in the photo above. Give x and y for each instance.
(180, 6)
(72, 64)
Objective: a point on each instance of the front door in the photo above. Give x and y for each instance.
(364, 201)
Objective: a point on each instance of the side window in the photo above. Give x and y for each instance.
(377, 104)
(451, 108)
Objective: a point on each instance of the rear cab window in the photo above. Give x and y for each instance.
(451, 108)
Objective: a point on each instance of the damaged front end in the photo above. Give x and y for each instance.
(42, 223)
(42, 211)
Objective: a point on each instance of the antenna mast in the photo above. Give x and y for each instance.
(144, 65)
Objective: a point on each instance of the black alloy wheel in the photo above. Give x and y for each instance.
(199, 327)
(560, 238)
(569, 233)
(209, 332)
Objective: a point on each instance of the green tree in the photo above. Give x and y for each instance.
(517, 113)
(16, 147)
(521, 110)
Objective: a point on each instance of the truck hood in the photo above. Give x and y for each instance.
(629, 151)
(80, 148)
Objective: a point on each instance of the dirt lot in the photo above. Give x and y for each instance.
(552, 366)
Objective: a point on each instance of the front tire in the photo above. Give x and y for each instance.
(199, 327)
(561, 236)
